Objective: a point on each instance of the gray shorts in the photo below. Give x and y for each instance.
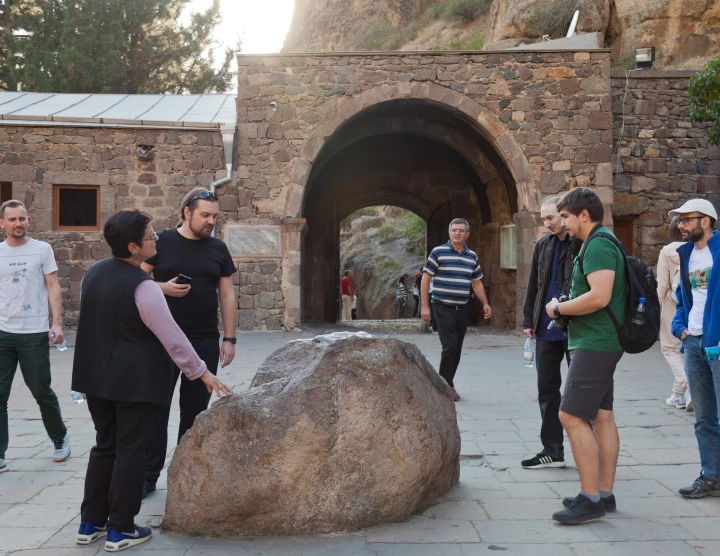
(589, 384)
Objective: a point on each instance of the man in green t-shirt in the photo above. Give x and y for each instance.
(586, 410)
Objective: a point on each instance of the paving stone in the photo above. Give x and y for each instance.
(530, 490)
(19, 538)
(629, 528)
(537, 531)
(686, 472)
(705, 548)
(656, 507)
(664, 456)
(705, 528)
(397, 549)
(17, 494)
(509, 549)
(457, 509)
(652, 548)
(423, 530)
(29, 515)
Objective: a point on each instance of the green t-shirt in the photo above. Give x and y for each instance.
(596, 331)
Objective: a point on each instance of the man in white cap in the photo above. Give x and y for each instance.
(697, 324)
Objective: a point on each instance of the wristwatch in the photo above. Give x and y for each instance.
(231, 340)
(556, 310)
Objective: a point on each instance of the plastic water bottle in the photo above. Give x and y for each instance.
(639, 314)
(529, 353)
(62, 346)
(77, 397)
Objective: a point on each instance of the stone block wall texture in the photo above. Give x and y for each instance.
(35, 159)
(546, 113)
(661, 159)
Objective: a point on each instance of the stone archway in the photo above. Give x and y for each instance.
(443, 166)
(541, 121)
(338, 113)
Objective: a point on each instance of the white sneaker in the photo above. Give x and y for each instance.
(62, 449)
(677, 401)
(3, 466)
(688, 401)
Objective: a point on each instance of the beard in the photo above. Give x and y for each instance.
(17, 233)
(201, 231)
(694, 235)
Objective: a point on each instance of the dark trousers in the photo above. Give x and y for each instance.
(194, 399)
(114, 479)
(549, 356)
(32, 351)
(452, 323)
(416, 311)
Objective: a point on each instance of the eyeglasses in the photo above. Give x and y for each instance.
(202, 195)
(685, 221)
(152, 237)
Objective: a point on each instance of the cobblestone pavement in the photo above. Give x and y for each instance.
(498, 506)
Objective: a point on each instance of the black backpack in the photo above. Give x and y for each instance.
(640, 282)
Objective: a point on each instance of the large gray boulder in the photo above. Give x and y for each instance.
(336, 433)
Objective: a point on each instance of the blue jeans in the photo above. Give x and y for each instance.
(704, 382)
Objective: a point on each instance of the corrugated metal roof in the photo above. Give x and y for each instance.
(98, 109)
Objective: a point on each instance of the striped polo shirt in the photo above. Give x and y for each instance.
(452, 274)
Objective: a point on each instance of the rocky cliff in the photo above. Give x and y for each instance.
(378, 248)
(685, 33)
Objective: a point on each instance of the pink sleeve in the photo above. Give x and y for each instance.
(155, 313)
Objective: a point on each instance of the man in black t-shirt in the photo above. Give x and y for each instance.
(191, 251)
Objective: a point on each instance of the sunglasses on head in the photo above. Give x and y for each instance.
(202, 195)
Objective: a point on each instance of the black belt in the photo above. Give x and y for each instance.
(455, 307)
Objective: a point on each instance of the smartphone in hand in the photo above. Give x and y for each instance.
(182, 279)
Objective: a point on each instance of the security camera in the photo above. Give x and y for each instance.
(274, 106)
(144, 149)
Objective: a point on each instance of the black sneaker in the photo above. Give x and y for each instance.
(541, 460)
(581, 510)
(148, 487)
(609, 502)
(701, 488)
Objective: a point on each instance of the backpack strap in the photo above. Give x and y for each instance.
(615, 241)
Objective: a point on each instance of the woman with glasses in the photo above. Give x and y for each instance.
(126, 344)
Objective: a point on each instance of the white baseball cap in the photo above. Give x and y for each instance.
(696, 205)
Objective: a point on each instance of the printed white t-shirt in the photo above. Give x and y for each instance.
(699, 268)
(23, 294)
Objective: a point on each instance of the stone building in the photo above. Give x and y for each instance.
(75, 159)
(479, 135)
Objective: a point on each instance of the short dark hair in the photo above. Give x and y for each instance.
(125, 227)
(347, 272)
(579, 199)
(12, 203)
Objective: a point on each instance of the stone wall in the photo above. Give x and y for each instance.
(544, 115)
(661, 158)
(34, 159)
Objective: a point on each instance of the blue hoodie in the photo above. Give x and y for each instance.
(711, 315)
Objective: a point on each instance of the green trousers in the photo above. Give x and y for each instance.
(32, 351)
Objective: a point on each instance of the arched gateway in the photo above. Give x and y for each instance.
(481, 136)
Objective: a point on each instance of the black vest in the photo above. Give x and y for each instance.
(117, 357)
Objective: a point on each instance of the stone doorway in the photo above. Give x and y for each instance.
(421, 156)
(473, 134)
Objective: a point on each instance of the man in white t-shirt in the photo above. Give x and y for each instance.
(697, 324)
(28, 277)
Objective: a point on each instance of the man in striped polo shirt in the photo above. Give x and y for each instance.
(455, 271)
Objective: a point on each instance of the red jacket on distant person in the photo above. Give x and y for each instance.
(346, 286)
